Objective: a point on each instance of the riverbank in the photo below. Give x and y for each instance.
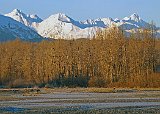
(80, 100)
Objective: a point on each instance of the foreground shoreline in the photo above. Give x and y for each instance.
(80, 100)
(77, 89)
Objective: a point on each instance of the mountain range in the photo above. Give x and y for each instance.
(11, 29)
(17, 24)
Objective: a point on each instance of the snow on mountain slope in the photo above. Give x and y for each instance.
(10, 28)
(62, 26)
(132, 22)
(28, 20)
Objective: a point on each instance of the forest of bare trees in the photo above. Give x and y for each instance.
(108, 60)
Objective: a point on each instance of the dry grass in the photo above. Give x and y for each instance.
(7, 98)
(98, 90)
(33, 92)
(148, 89)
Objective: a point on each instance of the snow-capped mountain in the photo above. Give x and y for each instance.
(28, 20)
(11, 29)
(62, 26)
(132, 22)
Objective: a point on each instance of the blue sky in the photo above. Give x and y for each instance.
(83, 9)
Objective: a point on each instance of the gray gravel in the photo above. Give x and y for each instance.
(85, 101)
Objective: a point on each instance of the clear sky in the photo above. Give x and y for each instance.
(83, 9)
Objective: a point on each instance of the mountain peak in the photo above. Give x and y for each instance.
(27, 20)
(62, 17)
(16, 11)
(14, 29)
(59, 15)
(135, 17)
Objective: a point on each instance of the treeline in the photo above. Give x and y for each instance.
(108, 60)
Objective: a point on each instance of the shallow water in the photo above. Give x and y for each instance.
(12, 109)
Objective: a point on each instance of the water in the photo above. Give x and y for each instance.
(11, 109)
